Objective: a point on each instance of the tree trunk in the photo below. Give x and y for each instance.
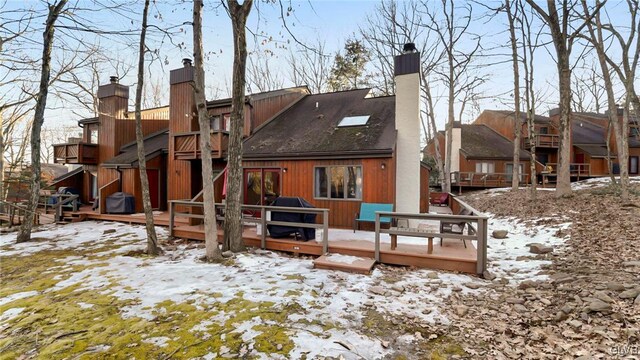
(152, 238)
(563, 185)
(515, 176)
(38, 119)
(449, 126)
(2, 197)
(432, 123)
(233, 215)
(213, 252)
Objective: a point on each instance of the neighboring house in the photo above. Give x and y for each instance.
(336, 150)
(483, 150)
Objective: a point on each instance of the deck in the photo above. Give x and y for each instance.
(452, 255)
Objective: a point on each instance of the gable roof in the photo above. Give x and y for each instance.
(538, 119)
(586, 132)
(154, 145)
(309, 128)
(258, 96)
(482, 142)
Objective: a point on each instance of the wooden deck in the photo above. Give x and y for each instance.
(451, 255)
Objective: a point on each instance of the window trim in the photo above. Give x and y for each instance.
(329, 198)
(493, 164)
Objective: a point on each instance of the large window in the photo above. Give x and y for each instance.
(633, 165)
(338, 182)
(225, 124)
(485, 167)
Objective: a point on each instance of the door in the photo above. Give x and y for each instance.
(261, 187)
(509, 168)
(153, 175)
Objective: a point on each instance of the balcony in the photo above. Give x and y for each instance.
(543, 141)
(473, 179)
(186, 146)
(575, 169)
(75, 153)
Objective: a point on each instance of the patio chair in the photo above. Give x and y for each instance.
(443, 199)
(368, 214)
(455, 227)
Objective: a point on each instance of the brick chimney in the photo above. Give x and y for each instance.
(407, 77)
(182, 119)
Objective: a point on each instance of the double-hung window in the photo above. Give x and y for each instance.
(485, 167)
(338, 182)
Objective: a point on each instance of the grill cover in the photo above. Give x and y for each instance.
(277, 231)
(120, 203)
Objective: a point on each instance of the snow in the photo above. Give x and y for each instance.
(16, 296)
(10, 314)
(328, 297)
(503, 253)
(344, 259)
(160, 341)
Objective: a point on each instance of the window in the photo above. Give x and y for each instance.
(633, 165)
(216, 124)
(485, 167)
(338, 182)
(354, 121)
(92, 134)
(544, 130)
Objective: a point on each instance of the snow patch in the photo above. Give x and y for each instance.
(17, 296)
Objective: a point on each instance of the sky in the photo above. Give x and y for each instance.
(330, 21)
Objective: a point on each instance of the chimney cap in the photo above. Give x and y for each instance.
(186, 62)
(113, 79)
(409, 48)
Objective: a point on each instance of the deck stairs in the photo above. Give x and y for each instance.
(348, 263)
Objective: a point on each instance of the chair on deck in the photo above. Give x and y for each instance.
(455, 227)
(442, 200)
(368, 214)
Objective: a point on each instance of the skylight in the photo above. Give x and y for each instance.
(354, 120)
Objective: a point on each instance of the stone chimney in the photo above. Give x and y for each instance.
(456, 144)
(407, 77)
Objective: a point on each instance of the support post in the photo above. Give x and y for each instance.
(263, 223)
(377, 248)
(325, 231)
(171, 215)
(481, 251)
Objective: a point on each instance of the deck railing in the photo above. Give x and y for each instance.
(262, 221)
(465, 178)
(479, 234)
(75, 153)
(543, 140)
(186, 146)
(106, 191)
(575, 169)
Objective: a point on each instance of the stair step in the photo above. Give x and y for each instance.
(346, 263)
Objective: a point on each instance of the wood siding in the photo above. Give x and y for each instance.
(378, 185)
(424, 189)
(264, 109)
(182, 119)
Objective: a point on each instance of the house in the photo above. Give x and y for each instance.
(336, 150)
(483, 150)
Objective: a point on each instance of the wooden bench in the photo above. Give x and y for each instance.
(422, 228)
(368, 214)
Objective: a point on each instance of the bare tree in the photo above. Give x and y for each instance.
(55, 135)
(213, 252)
(588, 90)
(310, 67)
(451, 32)
(563, 36)
(152, 237)
(261, 76)
(233, 215)
(513, 14)
(48, 36)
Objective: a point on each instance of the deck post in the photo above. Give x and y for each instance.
(325, 231)
(481, 252)
(377, 244)
(263, 224)
(171, 204)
